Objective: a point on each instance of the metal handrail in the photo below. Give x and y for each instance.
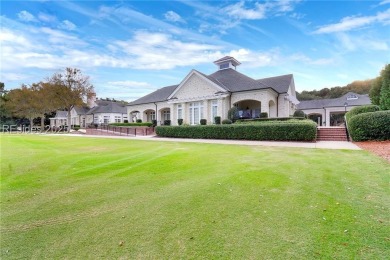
(346, 127)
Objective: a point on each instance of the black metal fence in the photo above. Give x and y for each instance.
(123, 130)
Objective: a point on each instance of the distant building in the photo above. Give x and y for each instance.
(101, 112)
(330, 112)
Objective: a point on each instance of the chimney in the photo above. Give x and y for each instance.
(91, 100)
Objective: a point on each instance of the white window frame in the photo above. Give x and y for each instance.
(214, 110)
(179, 111)
(152, 116)
(106, 120)
(196, 112)
(117, 119)
(166, 115)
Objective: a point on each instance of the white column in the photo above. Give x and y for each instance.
(186, 118)
(206, 110)
(327, 117)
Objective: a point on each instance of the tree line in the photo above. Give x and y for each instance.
(378, 89)
(61, 91)
(358, 86)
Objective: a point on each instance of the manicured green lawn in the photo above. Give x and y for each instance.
(91, 198)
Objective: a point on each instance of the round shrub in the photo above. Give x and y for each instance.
(264, 115)
(125, 121)
(217, 120)
(203, 122)
(232, 114)
(180, 121)
(226, 122)
(361, 109)
(370, 126)
(139, 120)
(299, 113)
(167, 122)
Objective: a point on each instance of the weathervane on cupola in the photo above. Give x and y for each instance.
(227, 62)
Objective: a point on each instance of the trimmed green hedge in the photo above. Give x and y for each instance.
(359, 110)
(370, 126)
(132, 124)
(271, 119)
(281, 131)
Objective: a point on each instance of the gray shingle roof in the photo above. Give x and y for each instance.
(335, 102)
(159, 95)
(81, 110)
(279, 83)
(107, 106)
(61, 114)
(229, 79)
(235, 81)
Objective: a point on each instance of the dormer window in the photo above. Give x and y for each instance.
(352, 97)
(224, 66)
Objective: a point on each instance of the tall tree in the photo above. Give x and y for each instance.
(375, 91)
(384, 100)
(69, 88)
(44, 104)
(3, 98)
(24, 102)
(380, 89)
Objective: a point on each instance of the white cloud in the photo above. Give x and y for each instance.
(238, 11)
(130, 84)
(384, 2)
(67, 25)
(26, 17)
(47, 18)
(355, 22)
(162, 51)
(361, 43)
(309, 61)
(11, 38)
(285, 5)
(9, 76)
(173, 17)
(59, 38)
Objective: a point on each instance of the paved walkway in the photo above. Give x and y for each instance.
(319, 145)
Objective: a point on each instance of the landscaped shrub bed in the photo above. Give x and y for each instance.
(370, 126)
(132, 124)
(281, 131)
(361, 109)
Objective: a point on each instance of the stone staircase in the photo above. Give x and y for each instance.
(331, 134)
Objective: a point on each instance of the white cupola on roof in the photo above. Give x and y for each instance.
(227, 62)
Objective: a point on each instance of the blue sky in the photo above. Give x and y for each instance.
(131, 48)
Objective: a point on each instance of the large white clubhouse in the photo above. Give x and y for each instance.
(200, 96)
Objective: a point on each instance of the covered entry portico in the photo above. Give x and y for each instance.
(248, 109)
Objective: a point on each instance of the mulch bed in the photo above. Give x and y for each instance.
(380, 148)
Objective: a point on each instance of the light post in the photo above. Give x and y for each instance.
(345, 120)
